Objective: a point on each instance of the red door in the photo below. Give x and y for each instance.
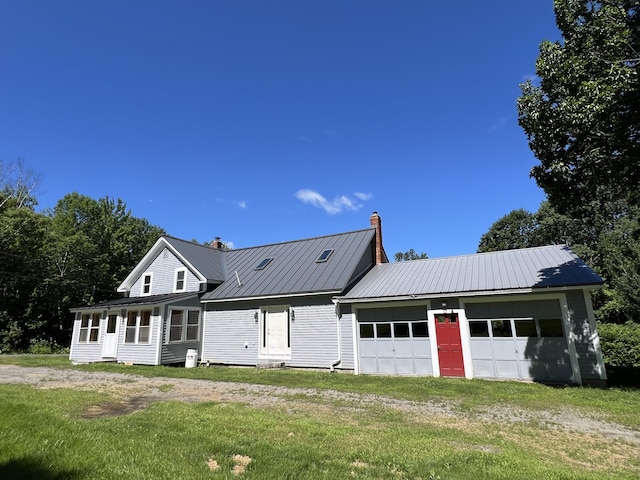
(449, 345)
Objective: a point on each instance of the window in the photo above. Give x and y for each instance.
(420, 329)
(264, 263)
(401, 330)
(144, 330)
(501, 328)
(478, 328)
(383, 330)
(89, 328)
(366, 330)
(138, 329)
(192, 325)
(526, 328)
(146, 283)
(324, 256)
(130, 332)
(180, 283)
(112, 323)
(551, 327)
(184, 325)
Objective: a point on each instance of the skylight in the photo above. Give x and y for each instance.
(324, 255)
(264, 263)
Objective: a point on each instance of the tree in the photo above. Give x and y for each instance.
(583, 119)
(409, 255)
(515, 230)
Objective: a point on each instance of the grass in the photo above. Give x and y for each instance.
(45, 434)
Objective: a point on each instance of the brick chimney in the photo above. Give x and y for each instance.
(376, 222)
(217, 244)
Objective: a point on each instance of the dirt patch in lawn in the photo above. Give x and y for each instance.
(131, 393)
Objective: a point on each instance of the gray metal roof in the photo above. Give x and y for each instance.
(130, 301)
(529, 268)
(208, 261)
(294, 269)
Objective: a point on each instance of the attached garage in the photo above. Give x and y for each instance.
(524, 340)
(518, 314)
(394, 341)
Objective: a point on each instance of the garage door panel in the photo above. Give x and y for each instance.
(386, 366)
(368, 365)
(368, 348)
(507, 369)
(385, 348)
(403, 348)
(483, 368)
(404, 366)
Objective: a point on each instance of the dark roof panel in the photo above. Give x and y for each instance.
(294, 269)
(535, 268)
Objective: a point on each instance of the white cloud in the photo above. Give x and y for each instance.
(337, 205)
(242, 204)
(363, 196)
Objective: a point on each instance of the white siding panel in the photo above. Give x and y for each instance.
(164, 268)
(314, 337)
(346, 338)
(231, 337)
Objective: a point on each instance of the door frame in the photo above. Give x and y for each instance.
(265, 313)
(112, 338)
(464, 340)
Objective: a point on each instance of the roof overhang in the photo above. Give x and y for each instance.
(477, 293)
(269, 297)
(135, 301)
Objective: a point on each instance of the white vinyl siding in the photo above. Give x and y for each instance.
(164, 270)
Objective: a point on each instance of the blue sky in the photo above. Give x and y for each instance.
(264, 121)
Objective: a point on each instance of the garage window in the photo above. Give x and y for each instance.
(551, 327)
(478, 328)
(501, 328)
(401, 330)
(383, 330)
(420, 329)
(526, 328)
(366, 330)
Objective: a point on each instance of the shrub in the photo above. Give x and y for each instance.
(620, 344)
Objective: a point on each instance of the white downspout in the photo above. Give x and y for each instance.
(337, 362)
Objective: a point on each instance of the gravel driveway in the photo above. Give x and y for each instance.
(134, 392)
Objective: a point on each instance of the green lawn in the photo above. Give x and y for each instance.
(44, 434)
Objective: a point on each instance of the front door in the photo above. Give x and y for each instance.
(449, 345)
(277, 331)
(110, 342)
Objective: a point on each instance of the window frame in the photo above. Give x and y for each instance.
(185, 313)
(176, 280)
(91, 328)
(144, 284)
(137, 327)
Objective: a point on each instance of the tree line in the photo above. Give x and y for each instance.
(75, 254)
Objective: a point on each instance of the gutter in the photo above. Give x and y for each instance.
(337, 362)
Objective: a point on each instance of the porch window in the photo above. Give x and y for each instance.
(184, 325)
(130, 332)
(138, 328)
(89, 328)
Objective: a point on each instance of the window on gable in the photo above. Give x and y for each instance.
(324, 256)
(264, 263)
(146, 284)
(181, 275)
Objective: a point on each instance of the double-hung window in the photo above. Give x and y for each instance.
(147, 279)
(89, 328)
(184, 325)
(138, 328)
(180, 283)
